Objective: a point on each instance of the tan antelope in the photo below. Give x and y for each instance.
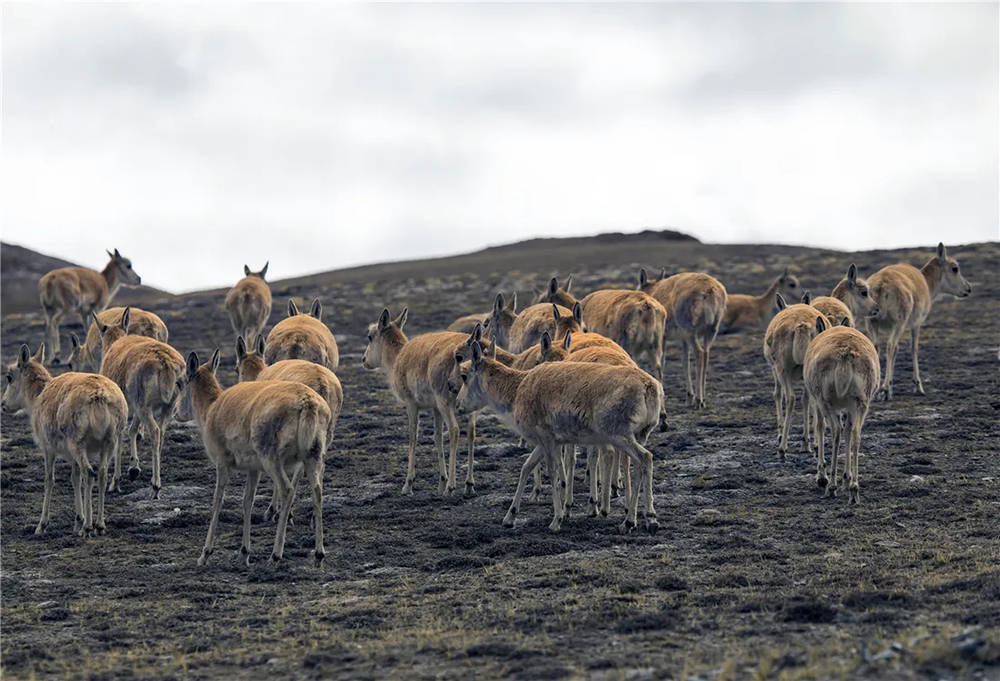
(259, 427)
(419, 370)
(467, 323)
(750, 312)
(151, 375)
(83, 291)
(249, 303)
(303, 336)
(904, 295)
(75, 417)
(560, 295)
(528, 326)
(841, 374)
(141, 323)
(501, 320)
(785, 342)
(567, 403)
(695, 305)
(851, 292)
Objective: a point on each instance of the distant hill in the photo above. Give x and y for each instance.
(21, 268)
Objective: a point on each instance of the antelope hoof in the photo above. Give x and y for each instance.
(604, 513)
(508, 520)
(40, 529)
(269, 513)
(652, 525)
(470, 489)
(443, 485)
(821, 480)
(203, 558)
(156, 492)
(274, 559)
(855, 495)
(555, 524)
(627, 527)
(918, 388)
(831, 491)
(101, 529)
(408, 487)
(242, 554)
(318, 557)
(133, 472)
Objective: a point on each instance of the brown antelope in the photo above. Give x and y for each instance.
(841, 374)
(501, 320)
(75, 417)
(467, 323)
(142, 323)
(303, 336)
(418, 371)
(567, 403)
(151, 375)
(785, 342)
(695, 305)
(249, 303)
(748, 312)
(81, 290)
(527, 328)
(633, 319)
(832, 309)
(853, 293)
(904, 295)
(259, 427)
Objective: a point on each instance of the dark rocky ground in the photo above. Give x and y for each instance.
(752, 574)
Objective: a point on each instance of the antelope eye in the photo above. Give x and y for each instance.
(791, 284)
(370, 338)
(10, 377)
(954, 269)
(465, 378)
(864, 293)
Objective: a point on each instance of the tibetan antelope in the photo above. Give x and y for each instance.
(141, 323)
(785, 342)
(76, 417)
(527, 328)
(904, 295)
(695, 305)
(748, 312)
(259, 427)
(568, 403)
(249, 303)
(841, 375)
(852, 293)
(81, 290)
(303, 336)
(419, 370)
(151, 376)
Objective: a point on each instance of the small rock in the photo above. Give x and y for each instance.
(45, 605)
(917, 479)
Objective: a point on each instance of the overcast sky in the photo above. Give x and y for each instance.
(199, 137)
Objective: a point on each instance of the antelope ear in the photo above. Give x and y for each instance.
(512, 305)
(569, 284)
(852, 274)
(246, 270)
(477, 354)
(316, 311)
(779, 301)
(192, 364)
(241, 349)
(578, 313)
(263, 272)
(942, 252)
(293, 309)
(663, 273)
(126, 318)
(553, 286)
(785, 275)
(110, 254)
(498, 302)
(401, 319)
(806, 297)
(567, 340)
(546, 343)
(74, 341)
(643, 277)
(846, 321)
(383, 319)
(821, 324)
(40, 354)
(260, 344)
(216, 358)
(23, 356)
(477, 332)
(117, 254)
(555, 312)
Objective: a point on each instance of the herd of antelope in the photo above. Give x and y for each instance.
(560, 373)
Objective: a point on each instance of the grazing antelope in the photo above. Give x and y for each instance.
(151, 375)
(841, 375)
(904, 295)
(853, 293)
(141, 323)
(785, 342)
(259, 427)
(249, 303)
(418, 370)
(527, 328)
(746, 312)
(567, 403)
(81, 290)
(303, 336)
(76, 417)
(695, 305)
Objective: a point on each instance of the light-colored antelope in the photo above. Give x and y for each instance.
(904, 295)
(141, 323)
(695, 305)
(852, 293)
(303, 336)
(467, 323)
(419, 370)
(501, 320)
(567, 403)
(751, 312)
(259, 427)
(785, 342)
(151, 375)
(527, 328)
(841, 375)
(75, 417)
(83, 291)
(249, 303)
